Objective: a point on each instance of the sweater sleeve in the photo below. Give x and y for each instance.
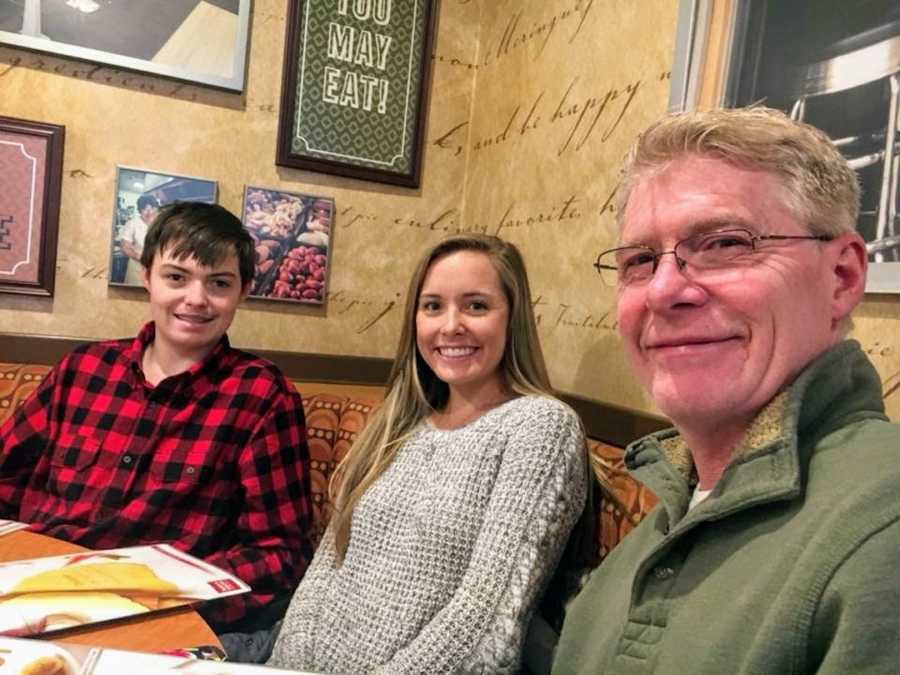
(538, 495)
(856, 625)
(293, 646)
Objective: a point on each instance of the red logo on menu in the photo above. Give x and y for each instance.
(223, 585)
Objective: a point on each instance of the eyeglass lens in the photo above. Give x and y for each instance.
(702, 251)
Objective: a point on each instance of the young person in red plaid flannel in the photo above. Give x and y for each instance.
(174, 436)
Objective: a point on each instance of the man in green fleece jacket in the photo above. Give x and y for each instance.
(775, 547)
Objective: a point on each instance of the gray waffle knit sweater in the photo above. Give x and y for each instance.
(449, 550)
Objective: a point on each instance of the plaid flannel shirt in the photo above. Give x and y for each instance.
(213, 460)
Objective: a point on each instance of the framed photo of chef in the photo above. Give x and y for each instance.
(292, 233)
(835, 65)
(140, 193)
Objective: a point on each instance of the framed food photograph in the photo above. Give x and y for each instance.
(140, 193)
(31, 164)
(293, 244)
(199, 41)
(354, 88)
(835, 65)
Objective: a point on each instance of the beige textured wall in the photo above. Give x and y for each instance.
(877, 327)
(115, 117)
(561, 87)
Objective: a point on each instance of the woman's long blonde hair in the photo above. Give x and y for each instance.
(414, 391)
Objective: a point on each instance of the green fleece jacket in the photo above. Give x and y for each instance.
(791, 565)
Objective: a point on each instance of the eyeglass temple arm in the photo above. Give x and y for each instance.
(817, 237)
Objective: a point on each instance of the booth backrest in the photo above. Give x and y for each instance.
(333, 420)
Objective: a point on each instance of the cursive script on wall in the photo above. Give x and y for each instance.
(554, 315)
(364, 310)
(447, 221)
(12, 61)
(521, 31)
(582, 115)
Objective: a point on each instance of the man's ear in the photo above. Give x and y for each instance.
(245, 290)
(145, 278)
(848, 265)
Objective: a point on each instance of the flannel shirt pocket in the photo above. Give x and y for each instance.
(71, 458)
(74, 452)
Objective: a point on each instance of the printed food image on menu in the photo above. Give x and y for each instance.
(49, 594)
(28, 657)
(38, 657)
(10, 526)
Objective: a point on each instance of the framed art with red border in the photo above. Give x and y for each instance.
(31, 162)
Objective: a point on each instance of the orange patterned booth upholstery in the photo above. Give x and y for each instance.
(332, 424)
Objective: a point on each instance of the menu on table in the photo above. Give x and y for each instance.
(37, 657)
(8, 526)
(42, 595)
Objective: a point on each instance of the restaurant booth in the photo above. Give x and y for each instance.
(347, 154)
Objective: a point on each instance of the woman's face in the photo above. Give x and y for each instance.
(461, 320)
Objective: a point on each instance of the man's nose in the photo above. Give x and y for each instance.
(196, 293)
(671, 284)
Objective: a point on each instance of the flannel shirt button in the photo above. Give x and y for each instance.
(190, 469)
(127, 459)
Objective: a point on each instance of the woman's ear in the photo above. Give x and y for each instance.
(849, 263)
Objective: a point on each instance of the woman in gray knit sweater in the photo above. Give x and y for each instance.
(454, 505)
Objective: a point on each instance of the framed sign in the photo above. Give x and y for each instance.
(354, 90)
(31, 160)
(293, 244)
(202, 41)
(833, 65)
(140, 194)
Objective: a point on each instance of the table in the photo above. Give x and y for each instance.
(173, 628)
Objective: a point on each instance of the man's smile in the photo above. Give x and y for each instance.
(193, 318)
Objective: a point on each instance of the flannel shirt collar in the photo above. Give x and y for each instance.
(208, 366)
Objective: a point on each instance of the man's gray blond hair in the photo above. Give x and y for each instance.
(820, 187)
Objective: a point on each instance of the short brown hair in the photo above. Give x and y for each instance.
(820, 187)
(207, 232)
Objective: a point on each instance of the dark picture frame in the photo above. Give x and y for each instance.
(139, 194)
(147, 37)
(355, 88)
(292, 233)
(833, 65)
(31, 157)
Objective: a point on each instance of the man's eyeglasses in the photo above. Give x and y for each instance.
(715, 250)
